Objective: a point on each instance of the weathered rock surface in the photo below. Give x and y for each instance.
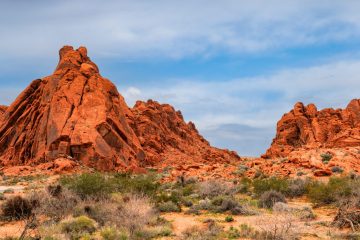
(306, 127)
(305, 135)
(168, 140)
(72, 113)
(2, 111)
(78, 115)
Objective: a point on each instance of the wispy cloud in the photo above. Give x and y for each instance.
(174, 28)
(245, 109)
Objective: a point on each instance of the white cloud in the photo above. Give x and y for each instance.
(256, 103)
(173, 28)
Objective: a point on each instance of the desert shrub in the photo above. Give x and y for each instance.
(281, 207)
(57, 205)
(204, 204)
(16, 208)
(212, 188)
(233, 233)
(212, 232)
(327, 193)
(147, 184)
(337, 169)
(326, 157)
(2, 196)
(247, 231)
(244, 186)
(54, 190)
(186, 202)
(269, 198)
(297, 187)
(267, 184)
(88, 185)
(111, 233)
(78, 227)
(168, 207)
(193, 210)
(229, 219)
(306, 213)
(135, 213)
(188, 190)
(103, 211)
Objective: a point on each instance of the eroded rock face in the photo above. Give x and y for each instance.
(78, 115)
(2, 111)
(305, 127)
(74, 112)
(168, 140)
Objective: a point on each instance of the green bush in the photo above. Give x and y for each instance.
(147, 184)
(245, 185)
(267, 184)
(168, 207)
(88, 185)
(229, 219)
(326, 157)
(327, 193)
(78, 227)
(110, 233)
(233, 233)
(269, 198)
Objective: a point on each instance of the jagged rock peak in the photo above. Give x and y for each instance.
(73, 113)
(306, 127)
(75, 59)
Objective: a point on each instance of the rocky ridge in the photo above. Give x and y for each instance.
(77, 115)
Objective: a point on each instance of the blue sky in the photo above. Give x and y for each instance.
(232, 67)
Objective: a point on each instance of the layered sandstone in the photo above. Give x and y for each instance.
(306, 127)
(73, 113)
(76, 114)
(2, 111)
(168, 139)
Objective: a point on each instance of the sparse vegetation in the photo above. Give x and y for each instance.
(269, 198)
(124, 206)
(326, 157)
(16, 208)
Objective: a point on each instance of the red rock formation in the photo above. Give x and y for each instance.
(77, 114)
(168, 140)
(2, 111)
(306, 127)
(74, 112)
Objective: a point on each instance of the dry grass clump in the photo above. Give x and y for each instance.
(17, 208)
(214, 188)
(55, 203)
(269, 198)
(136, 212)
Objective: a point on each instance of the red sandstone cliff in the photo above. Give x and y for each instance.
(306, 127)
(77, 114)
(74, 112)
(166, 137)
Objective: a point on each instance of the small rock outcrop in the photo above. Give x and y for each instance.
(305, 127)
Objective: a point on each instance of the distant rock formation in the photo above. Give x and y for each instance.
(165, 136)
(305, 127)
(77, 114)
